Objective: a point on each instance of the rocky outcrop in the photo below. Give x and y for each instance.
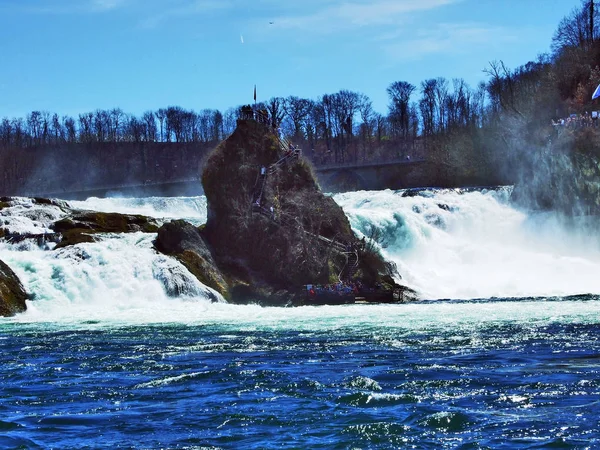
(81, 226)
(271, 228)
(183, 241)
(12, 293)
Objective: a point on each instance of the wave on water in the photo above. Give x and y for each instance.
(454, 244)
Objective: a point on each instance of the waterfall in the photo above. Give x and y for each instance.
(474, 244)
(447, 244)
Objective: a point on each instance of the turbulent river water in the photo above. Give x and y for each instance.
(502, 352)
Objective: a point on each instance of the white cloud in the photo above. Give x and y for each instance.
(448, 39)
(106, 5)
(180, 8)
(358, 13)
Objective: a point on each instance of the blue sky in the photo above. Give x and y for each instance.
(73, 56)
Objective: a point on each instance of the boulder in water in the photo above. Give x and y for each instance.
(12, 293)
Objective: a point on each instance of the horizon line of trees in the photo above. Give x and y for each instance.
(336, 121)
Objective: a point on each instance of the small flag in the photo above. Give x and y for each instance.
(254, 92)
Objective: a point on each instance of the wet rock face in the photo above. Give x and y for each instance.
(269, 225)
(272, 245)
(182, 240)
(12, 293)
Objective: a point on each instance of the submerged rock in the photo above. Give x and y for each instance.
(12, 293)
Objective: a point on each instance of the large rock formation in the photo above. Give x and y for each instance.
(12, 293)
(268, 249)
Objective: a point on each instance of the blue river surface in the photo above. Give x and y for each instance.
(494, 373)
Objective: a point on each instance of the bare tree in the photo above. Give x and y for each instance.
(366, 127)
(85, 127)
(399, 93)
(217, 126)
(18, 128)
(70, 129)
(577, 30)
(5, 132)
(100, 124)
(117, 117)
(229, 121)
(161, 115)
(428, 105)
(34, 125)
(276, 109)
(150, 126)
(297, 110)
(57, 131)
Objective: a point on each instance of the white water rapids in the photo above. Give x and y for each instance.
(447, 245)
(450, 244)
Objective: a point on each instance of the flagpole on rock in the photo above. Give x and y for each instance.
(255, 112)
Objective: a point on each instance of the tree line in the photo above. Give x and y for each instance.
(343, 123)
(343, 126)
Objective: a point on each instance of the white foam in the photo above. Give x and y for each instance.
(25, 216)
(447, 245)
(119, 277)
(192, 209)
(475, 245)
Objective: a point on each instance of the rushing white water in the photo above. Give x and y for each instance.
(192, 209)
(450, 244)
(447, 244)
(119, 277)
(27, 217)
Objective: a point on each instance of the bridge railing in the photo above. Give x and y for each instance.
(357, 165)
